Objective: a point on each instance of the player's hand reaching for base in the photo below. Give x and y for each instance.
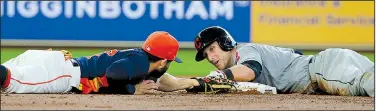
(146, 87)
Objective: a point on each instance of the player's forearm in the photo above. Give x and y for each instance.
(170, 83)
(242, 73)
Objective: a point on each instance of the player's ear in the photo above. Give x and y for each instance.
(162, 62)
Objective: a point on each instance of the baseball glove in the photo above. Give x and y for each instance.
(67, 54)
(213, 84)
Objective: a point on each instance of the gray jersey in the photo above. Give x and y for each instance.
(281, 67)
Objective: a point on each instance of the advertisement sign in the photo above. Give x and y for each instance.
(313, 22)
(120, 20)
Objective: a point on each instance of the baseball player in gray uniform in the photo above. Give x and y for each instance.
(333, 71)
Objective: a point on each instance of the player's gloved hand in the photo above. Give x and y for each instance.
(146, 87)
(212, 84)
(67, 54)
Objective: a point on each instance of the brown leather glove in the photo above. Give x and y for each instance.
(212, 85)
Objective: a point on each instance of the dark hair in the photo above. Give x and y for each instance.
(153, 58)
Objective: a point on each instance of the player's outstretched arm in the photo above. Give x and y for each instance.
(248, 70)
(169, 83)
(248, 65)
(244, 72)
(241, 73)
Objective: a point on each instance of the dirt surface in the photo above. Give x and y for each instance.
(184, 101)
(181, 100)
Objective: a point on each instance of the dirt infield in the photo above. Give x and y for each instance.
(184, 101)
(181, 100)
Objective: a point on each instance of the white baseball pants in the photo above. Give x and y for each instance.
(42, 71)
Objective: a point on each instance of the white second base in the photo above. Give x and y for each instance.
(247, 86)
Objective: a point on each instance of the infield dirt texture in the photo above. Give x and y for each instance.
(184, 101)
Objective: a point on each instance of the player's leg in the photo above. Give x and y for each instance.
(341, 72)
(367, 82)
(41, 71)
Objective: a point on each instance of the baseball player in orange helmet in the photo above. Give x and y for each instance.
(130, 71)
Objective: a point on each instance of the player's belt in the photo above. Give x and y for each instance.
(311, 60)
(74, 63)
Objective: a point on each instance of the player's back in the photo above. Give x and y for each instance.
(281, 67)
(96, 65)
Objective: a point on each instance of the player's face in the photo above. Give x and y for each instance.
(216, 56)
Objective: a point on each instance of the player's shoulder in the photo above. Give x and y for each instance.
(133, 51)
(254, 46)
(246, 46)
(133, 55)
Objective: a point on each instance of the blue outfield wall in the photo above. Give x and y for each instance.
(120, 20)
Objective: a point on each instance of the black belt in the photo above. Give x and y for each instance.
(74, 63)
(311, 60)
